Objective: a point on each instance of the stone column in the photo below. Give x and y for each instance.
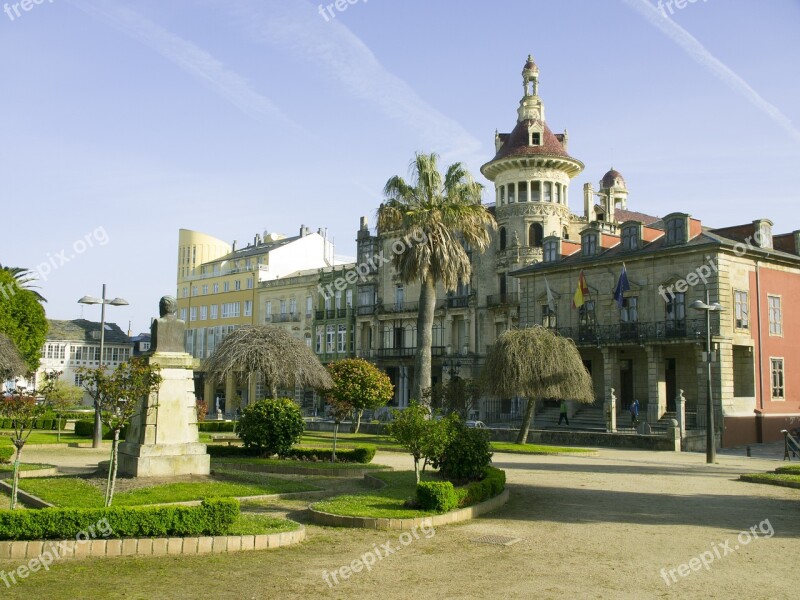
(610, 410)
(656, 384)
(610, 373)
(680, 408)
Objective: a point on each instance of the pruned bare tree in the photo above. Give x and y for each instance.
(535, 363)
(280, 358)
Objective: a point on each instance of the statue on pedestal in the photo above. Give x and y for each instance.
(167, 332)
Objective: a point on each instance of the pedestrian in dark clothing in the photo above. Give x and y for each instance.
(563, 413)
(634, 413)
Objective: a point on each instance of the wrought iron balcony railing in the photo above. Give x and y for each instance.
(507, 299)
(639, 333)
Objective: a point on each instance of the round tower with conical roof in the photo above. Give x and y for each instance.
(531, 172)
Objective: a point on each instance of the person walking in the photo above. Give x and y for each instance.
(563, 413)
(634, 413)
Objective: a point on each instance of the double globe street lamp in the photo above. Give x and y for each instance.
(97, 437)
(708, 308)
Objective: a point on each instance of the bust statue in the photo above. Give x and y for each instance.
(167, 332)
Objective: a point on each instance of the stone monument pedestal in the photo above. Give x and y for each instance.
(162, 439)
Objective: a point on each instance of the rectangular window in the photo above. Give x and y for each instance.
(183, 314)
(742, 309)
(268, 310)
(337, 299)
(186, 292)
(399, 295)
(348, 295)
(249, 283)
(320, 337)
(309, 306)
(676, 231)
(630, 238)
(589, 246)
(231, 310)
(341, 339)
(330, 338)
(778, 392)
(193, 313)
(629, 313)
(283, 307)
(205, 290)
(226, 286)
(214, 311)
(675, 314)
(293, 306)
(548, 317)
(775, 315)
(237, 285)
(551, 251)
(216, 288)
(194, 290)
(248, 308)
(203, 313)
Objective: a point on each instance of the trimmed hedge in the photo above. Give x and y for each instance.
(214, 426)
(492, 484)
(86, 429)
(361, 455)
(213, 517)
(437, 495)
(6, 452)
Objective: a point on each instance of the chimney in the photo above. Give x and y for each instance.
(364, 225)
(234, 245)
(565, 141)
(797, 242)
(588, 198)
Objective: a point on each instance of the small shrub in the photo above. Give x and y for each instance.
(86, 429)
(271, 426)
(213, 517)
(467, 454)
(492, 484)
(215, 426)
(6, 452)
(437, 495)
(361, 455)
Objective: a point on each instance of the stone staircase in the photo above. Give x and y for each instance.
(586, 418)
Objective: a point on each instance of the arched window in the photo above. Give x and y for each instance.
(535, 235)
(565, 233)
(502, 238)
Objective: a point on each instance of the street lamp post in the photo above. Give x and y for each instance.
(97, 437)
(711, 450)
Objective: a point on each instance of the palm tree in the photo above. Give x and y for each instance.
(23, 278)
(535, 363)
(446, 214)
(283, 360)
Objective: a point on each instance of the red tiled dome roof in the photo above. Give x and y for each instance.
(516, 143)
(608, 178)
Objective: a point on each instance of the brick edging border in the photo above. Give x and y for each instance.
(455, 516)
(186, 546)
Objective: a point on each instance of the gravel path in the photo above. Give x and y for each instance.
(589, 527)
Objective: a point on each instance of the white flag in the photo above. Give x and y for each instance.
(551, 301)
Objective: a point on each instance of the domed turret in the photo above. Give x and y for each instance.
(614, 190)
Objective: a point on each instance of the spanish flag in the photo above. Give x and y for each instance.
(581, 293)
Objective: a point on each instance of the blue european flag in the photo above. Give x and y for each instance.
(622, 286)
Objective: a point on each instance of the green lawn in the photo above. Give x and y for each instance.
(9, 468)
(298, 464)
(773, 478)
(386, 503)
(350, 440)
(43, 437)
(255, 524)
(78, 493)
(536, 449)
(789, 470)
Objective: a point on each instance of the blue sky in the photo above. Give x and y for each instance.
(122, 122)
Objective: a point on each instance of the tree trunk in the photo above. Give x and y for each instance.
(112, 469)
(416, 468)
(58, 427)
(15, 479)
(97, 436)
(522, 437)
(335, 431)
(422, 362)
(357, 422)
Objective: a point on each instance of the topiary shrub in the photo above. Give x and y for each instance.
(467, 454)
(436, 495)
(493, 483)
(271, 426)
(86, 429)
